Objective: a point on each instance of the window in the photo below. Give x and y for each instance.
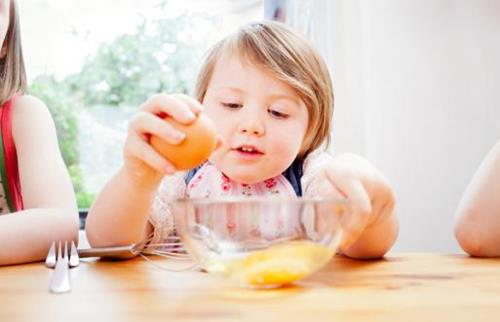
(93, 62)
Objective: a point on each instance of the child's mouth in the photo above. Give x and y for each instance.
(248, 151)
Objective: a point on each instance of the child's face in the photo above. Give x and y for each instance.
(262, 120)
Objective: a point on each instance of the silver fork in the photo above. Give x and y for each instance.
(74, 259)
(60, 282)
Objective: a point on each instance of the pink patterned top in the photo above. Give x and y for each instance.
(209, 182)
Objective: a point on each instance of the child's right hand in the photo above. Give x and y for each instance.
(141, 161)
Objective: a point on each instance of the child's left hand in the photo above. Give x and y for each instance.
(371, 202)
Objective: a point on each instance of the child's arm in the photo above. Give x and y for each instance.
(372, 228)
(119, 215)
(477, 227)
(49, 201)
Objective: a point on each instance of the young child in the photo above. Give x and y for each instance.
(270, 96)
(477, 228)
(37, 201)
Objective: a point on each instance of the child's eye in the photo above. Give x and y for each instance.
(232, 105)
(277, 114)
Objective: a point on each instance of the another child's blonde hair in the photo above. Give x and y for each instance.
(291, 59)
(12, 71)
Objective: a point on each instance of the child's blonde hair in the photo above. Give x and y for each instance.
(291, 59)
(12, 71)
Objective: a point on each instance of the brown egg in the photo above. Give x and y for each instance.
(197, 146)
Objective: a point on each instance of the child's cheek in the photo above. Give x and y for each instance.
(286, 152)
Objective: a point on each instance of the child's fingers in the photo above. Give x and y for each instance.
(138, 149)
(162, 104)
(359, 219)
(219, 143)
(145, 124)
(193, 104)
(325, 217)
(383, 198)
(360, 205)
(383, 209)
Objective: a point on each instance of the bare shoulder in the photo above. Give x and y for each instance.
(490, 167)
(496, 149)
(491, 163)
(31, 107)
(30, 114)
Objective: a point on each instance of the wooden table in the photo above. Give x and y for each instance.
(402, 287)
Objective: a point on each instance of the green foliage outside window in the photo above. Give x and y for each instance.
(161, 56)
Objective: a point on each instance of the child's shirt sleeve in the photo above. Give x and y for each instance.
(313, 166)
(160, 214)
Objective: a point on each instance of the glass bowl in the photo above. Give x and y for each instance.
(260, 242)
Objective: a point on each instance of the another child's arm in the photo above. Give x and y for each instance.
(372, 227)
(119, 215)
(477, 226)
(49, 201)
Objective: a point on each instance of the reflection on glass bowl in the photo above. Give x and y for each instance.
(261, 242)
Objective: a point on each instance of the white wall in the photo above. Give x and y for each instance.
(417, 87)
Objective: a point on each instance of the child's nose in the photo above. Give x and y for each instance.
(251, 123)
